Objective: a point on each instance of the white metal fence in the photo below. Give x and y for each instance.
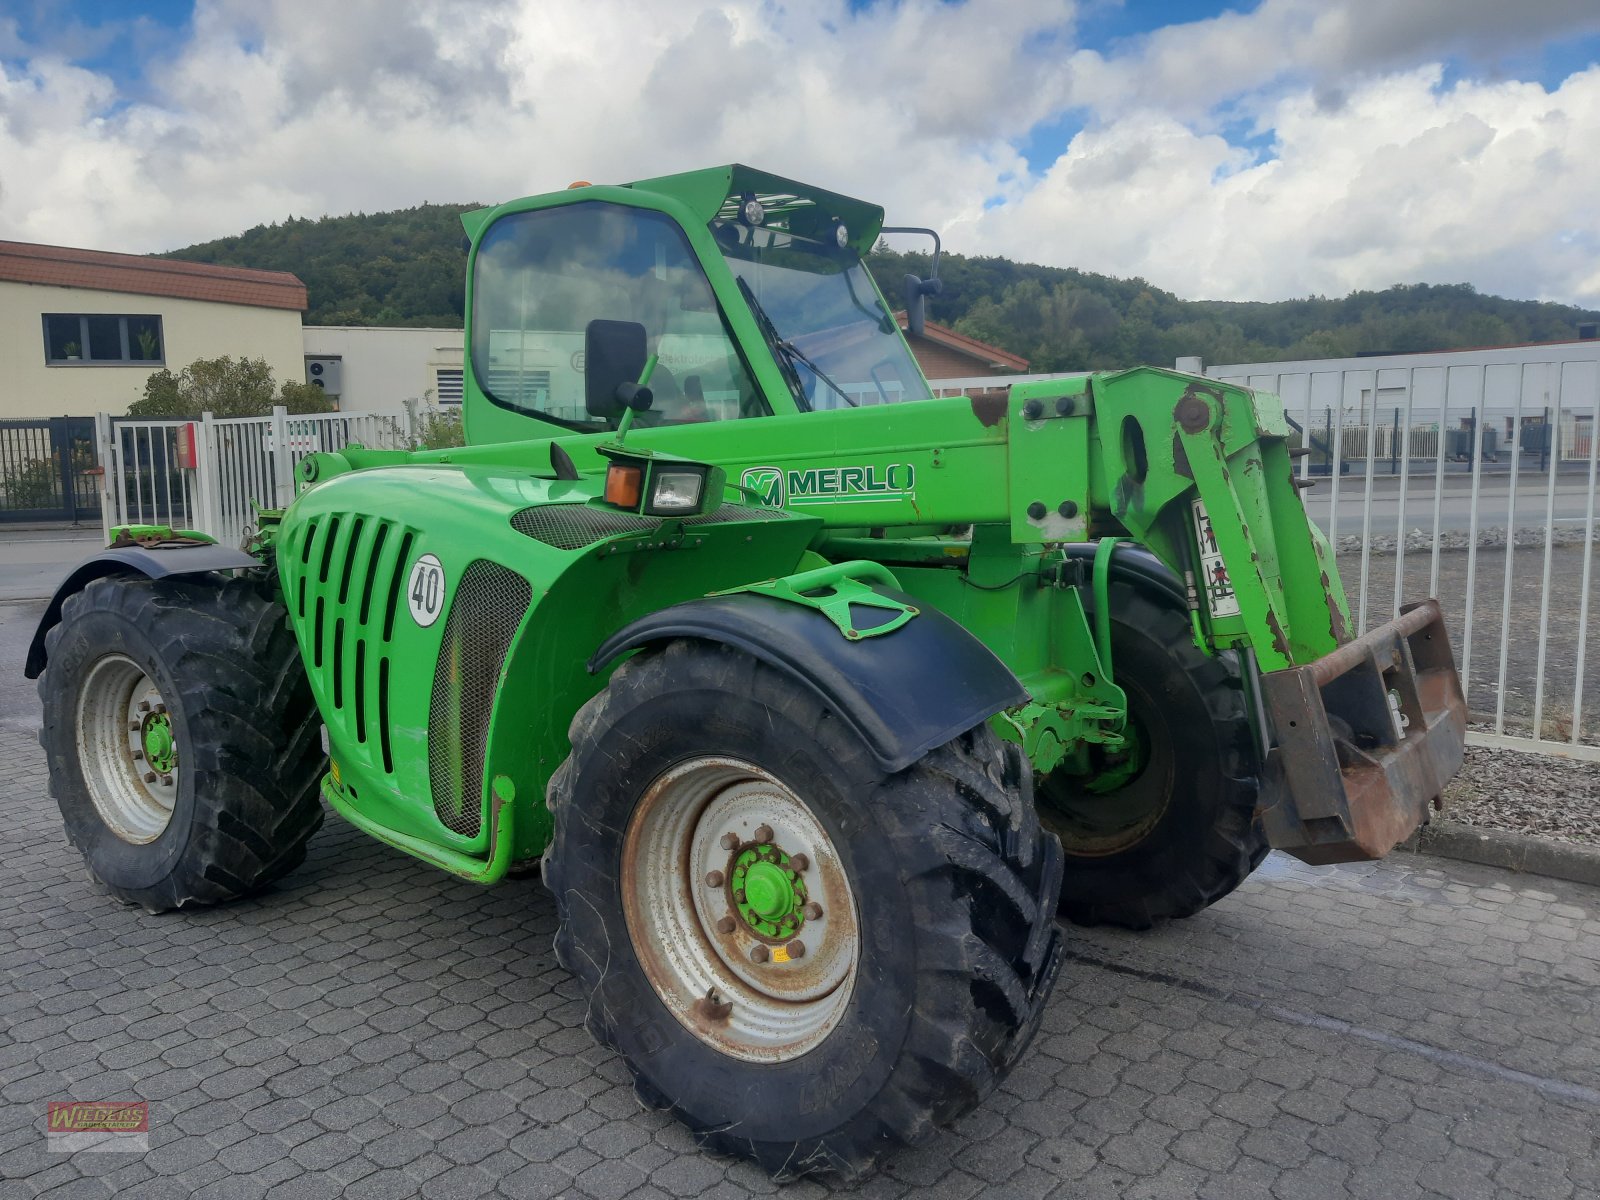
(1501, 525)
(239, 463)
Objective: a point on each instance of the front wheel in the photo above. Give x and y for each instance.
(804, 959)
(181, 738)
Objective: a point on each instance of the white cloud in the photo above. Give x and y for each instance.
(1377, 172)
(1490, 183)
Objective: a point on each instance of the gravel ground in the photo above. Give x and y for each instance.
(1535, 794)
(1529, 611)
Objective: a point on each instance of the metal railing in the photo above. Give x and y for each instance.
(238, 464)
(1518, 472)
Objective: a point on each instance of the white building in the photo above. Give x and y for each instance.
(81, 330)
(1507, 387)
(380, 368)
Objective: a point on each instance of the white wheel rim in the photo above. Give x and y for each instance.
(119, 707)
(738, 990)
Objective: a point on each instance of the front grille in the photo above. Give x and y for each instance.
(574, 526)
(489, 604)
(347, 578)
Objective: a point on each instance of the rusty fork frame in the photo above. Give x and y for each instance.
(1363, 740)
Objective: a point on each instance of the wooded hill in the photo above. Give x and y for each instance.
(406, 268)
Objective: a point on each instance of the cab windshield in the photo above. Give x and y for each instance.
(823, 319)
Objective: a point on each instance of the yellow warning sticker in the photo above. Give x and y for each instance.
(780, 954)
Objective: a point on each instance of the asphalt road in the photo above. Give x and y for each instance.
(1455, 507)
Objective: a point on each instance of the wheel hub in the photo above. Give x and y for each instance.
(159, 749)
(128, 749)
(767, 891)
(740, 909)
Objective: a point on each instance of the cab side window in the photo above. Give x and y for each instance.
(541, 277)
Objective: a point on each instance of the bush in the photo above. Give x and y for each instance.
(224, 387)
(32, 484)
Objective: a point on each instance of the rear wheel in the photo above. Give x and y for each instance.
(806, 960)
(1169, 827)
(181, 738)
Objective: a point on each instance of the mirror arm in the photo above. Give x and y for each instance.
(917, 289)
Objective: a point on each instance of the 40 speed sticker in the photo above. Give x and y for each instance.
(425, 590)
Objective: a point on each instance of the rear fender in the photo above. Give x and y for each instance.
(159, 563)
(903, 693)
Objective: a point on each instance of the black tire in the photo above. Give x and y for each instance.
(955, 885)
(1182, 833)
(244, 798)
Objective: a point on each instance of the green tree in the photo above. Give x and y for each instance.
(223, 387)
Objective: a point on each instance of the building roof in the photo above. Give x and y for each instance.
(991, 356)
(64, 266)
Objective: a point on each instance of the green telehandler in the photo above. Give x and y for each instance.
(815, 696)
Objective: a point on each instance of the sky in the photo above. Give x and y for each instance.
(1254, 151)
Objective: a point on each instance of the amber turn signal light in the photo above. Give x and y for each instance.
(624, 482)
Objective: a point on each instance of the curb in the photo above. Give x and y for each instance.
(1513, 851)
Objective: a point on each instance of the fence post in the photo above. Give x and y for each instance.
(206, 483)
(110, 470)
(282, 460)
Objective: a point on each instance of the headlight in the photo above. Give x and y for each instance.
(675, 491)
(751, 211)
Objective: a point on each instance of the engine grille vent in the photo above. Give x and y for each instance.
(346, 574)
(489, 604)
(574, 526)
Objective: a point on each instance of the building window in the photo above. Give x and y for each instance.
(72, 339)
(448, 385)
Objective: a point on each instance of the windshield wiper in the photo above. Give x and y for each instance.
(786, 352)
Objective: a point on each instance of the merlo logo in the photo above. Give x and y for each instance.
(871, 483)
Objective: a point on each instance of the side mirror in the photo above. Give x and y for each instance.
(614, 354)
(916, 311)
(917, 289)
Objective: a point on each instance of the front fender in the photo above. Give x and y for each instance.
(903, 693)
(132, 560)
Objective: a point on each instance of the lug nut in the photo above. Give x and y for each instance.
(138, 755)
(161, 708)
(727, 925)
(763, 834)
(144, 706)
(133, 727)
(738, 896)
(166, 781)
(813, 911)
(796, 949)
(799, 862)
(149, 776)
(714, 879)
(759, 954)
(730, 841)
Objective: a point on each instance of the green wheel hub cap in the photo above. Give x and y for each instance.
(767, 892)
(159, 749)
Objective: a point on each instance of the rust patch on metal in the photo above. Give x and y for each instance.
(990, 407)
(1192, 413)
(1336, 625)
(1280, 643)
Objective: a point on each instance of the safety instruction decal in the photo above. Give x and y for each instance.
(1214, 582)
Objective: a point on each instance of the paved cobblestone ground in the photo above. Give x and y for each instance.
(373, 1028)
